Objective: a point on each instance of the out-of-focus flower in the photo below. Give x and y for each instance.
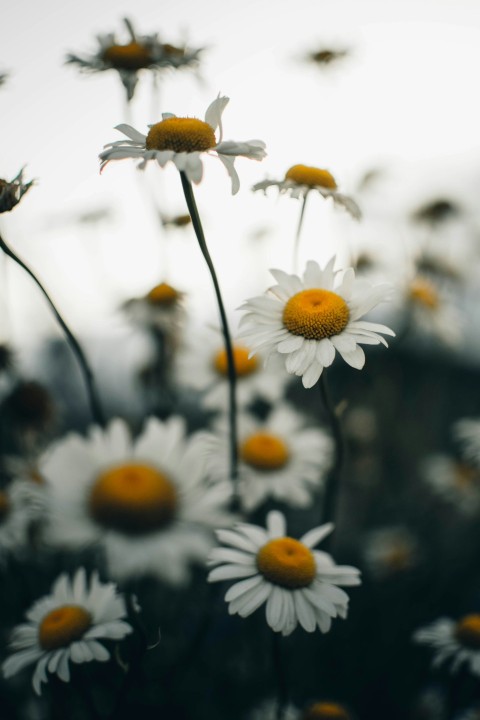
(12, 191)
(455, 641)
(141, 52)
(204, 366)
(471, 714)
(279, 458)
(299, 180)
(430, 311)
(309, 320)
(467, 432)
(21, 504)
(3, 78)
(30, 407)
(298, 584)
(67, 626)
(182, 140)
(161, 308)
(6, 357)
(324, 710)
(145, 501)
(391, 550)
(456, 481)
(176, 221)
(436, 212)
(326, 56)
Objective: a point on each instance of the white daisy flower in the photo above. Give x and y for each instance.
(309, 320)
(21, 504)
(144, 500)
(142, 52)
(323, 710)
(298, 584)
(67, 625)
(457, 642)
(299, 180)
(161, 308)
(430, 311)
(182, 140)
(12, 191)
(391, 550)
(279, 458)
(455, 481)
(467, 431)
(203, 365)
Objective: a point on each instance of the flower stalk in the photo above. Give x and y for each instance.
(332, 486)
(296, 244)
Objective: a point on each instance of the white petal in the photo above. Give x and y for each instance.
(355, 359)
(213, 114)
(314, 536)
(130, 132)
(276, 524)
(229, 165)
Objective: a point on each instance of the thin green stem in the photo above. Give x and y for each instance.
(332, 486)
(296, 244)
(232, 379)
(93, 397)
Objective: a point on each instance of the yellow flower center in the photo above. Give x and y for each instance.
(36, 477)
(422, 291)
(464, 476)
(311, 176)
(243, 364)
(467, 631)
(4, 505)
(264, 451)
(132, 56)
(181, 135)
(316, 314)
(163, 294)
(325, 711)
(398, 558)
(286, 562)
(63, 626)
(133, 499)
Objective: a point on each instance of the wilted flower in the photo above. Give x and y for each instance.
(182, 140)
(12, 191)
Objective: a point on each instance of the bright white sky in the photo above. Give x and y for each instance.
(408, 95)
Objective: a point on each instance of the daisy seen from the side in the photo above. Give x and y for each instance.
(308, 320)
(70, 625)
(12, 191)
(279, 458)
(298, 585)
(453, 641)
(145, 501)
(161, 308)
(183, 140)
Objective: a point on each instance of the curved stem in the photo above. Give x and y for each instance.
(296, 243)
(93, 397)
(281, 678)
(334, 477)
(197, 225)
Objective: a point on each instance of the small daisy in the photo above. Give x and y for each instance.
(467, 431)
(324, 57)
(12, 191)
(456, 481)
(455, 641)
(145, 500)
(67, 625)
(324, 710)
(141, 52)
(176, 221)
(298, 584)
(21, 504)
(161, 308)
(299, 180)
(309, 320)
(182, 140)
(279, 458)
(389, 551)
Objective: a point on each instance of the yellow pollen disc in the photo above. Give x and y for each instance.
(423, 292)
(163, 294)
(264, 451)
(464, 476)
(325, 711)
(133, 499)
(36, 477)
(311, 176)
(181, 135)
(63, 626)
(316, 314)
(4, 505)
(286, 562)
(398, 558)
(243, 364)
(467, 631)
(132, 56)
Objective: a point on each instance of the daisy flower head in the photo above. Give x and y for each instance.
(455, 481)
(145, 500)
(141, 52)
(298, 584)
(12, 191)
(389, 551)
(299, 180)
(67, 626)
(467, 432)
(279, 458)
(161, 308)
(307, 320)
(183, 140)
(457, 642)
(326, 56)
(21, 504)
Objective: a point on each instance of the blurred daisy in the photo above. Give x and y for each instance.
(457, 642)
(12, 191)
(455, 481)
(176, 221)
(204, 366)
(315, 711)
(389, 551)
(21, 504)
(467, 431)
(471, 714)
(144, 500)
(3, 78)
(309, 320)
(430, 311)
(161, 308)
(182, 140)
(279, 458)
(67, 626)
(298, 584)
(141, 52)
(299, 180)
(436, 212)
